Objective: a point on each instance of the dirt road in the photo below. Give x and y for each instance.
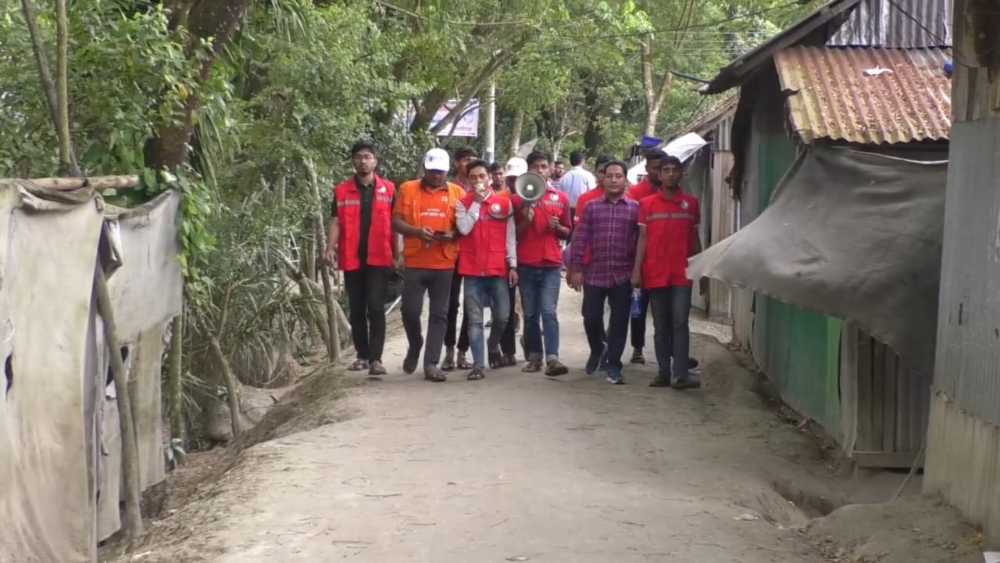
(519, 468)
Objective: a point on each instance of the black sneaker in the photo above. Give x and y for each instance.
(637, 357)
(596, 361)
(410, 362)
(660, 381)
(689, 382)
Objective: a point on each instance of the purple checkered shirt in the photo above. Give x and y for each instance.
(610, 231)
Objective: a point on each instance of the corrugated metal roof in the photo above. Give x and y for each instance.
(835, 99)
(904, 24)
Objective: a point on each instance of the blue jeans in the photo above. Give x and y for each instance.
(480, 293)
(539, 299)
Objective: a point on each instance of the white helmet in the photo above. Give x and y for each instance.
(515, 167)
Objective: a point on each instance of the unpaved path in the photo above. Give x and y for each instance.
(518, 468)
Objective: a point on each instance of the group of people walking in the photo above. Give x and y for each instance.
(626, 249)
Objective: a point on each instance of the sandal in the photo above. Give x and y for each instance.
(358, 365)
(508, 361)
(533, 366)
(463, 362)
(475, 375)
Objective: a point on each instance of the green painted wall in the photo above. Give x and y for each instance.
(801, 352)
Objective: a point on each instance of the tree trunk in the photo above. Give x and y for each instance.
(324, 270)
(130, 448)
(515, 133)
(175, 386)
(654, 95)
(232, 386)
(41, 60)
(67, 157)
(213, 20)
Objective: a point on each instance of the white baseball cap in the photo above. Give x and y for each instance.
(437, 159)
(515, 167)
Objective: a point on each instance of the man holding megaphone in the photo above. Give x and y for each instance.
(543, 220)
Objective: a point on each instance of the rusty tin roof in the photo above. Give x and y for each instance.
(833, 97)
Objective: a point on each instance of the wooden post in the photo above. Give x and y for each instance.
(130, 450)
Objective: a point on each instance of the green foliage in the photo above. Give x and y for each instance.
(302, 80)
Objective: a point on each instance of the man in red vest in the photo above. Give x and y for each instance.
(487, 258)
(457, 333)
(648, 186)
(541, 227)
(361, 244)
(668, 236)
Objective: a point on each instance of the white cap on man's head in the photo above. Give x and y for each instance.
(438, 160)
(515, 167)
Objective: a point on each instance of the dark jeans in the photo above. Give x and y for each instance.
(453, 301)
(508, 344)
(619, 299)
(366, 290)
(436, 283)
(671, 307)
(639, 324)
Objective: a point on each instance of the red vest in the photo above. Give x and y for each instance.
(538, 246)
(348, 198)
(483, 252)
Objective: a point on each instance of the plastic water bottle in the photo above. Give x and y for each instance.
(636, 303)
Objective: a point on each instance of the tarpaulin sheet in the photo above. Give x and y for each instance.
(851, 234)
(48, 249)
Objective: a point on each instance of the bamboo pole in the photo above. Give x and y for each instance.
(232, 386)
(98, 183)
(130, 450)
(175, 389)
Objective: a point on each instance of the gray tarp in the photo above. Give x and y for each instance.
(61, 451)
(851, 234)
(48, 248)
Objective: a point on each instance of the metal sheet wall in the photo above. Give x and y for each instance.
(897, 24)
(968, 348)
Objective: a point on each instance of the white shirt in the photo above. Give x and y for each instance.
(576, 182)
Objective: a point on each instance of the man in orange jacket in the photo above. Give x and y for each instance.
(361, 244)
(425, 215)
(487, 261)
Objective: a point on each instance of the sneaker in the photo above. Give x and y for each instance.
(689, 382)
(410, 362)
(358, 365)
(463, 361)
(449, 359)
(616, 379)
(508, 360)
(533, 366)
(637, 357)
(434, 374)
(660, 381)
(476, 374)
(376, 369)
(595, 361)
(555, 367)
